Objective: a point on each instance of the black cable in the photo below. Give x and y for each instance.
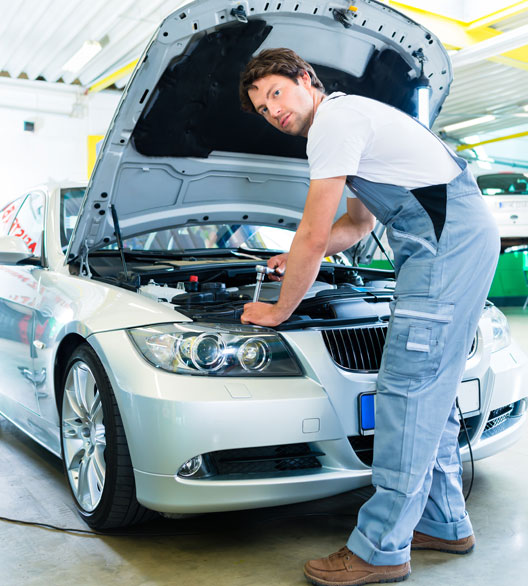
(470, 450)
(95, 533)
(165, 534)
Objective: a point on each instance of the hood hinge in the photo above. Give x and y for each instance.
(343, 16)
(239, 12)
(84, 270)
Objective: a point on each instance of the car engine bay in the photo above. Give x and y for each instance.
(212, 289)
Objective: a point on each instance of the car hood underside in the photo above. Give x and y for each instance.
(181, 151)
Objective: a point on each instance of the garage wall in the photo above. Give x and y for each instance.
(57, 148)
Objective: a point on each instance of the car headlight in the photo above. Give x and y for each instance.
(501, 328)
(208, 349)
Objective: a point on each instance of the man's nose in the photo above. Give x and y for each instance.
(275, 110)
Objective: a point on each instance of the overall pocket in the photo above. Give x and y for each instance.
(417, 337)
(406, 236)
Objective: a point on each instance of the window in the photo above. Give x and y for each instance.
(203, 236)
(504, 184)
(29, 222)
(7, 214)
(70, 205)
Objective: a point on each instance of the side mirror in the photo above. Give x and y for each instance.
(13, 250)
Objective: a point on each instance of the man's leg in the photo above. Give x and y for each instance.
(411, 416)
(445, 513)
(423, 362)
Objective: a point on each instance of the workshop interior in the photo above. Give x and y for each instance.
(148, 435)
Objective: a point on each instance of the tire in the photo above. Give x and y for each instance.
(94, 448)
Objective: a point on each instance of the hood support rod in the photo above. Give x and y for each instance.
(119, 240)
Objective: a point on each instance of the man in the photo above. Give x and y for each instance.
(445, 246)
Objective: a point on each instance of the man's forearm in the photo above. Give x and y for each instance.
(345, 234)
(304, 261)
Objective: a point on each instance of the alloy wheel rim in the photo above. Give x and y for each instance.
(84, 436)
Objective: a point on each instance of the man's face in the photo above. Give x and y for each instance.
(283, 103)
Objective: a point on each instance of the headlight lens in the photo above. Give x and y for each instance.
(501, 329)
(254, 354)
(208, 349)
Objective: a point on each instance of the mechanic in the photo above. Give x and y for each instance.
(445, 244)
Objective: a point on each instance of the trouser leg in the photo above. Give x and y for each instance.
(415, 422)
(422, 366)
(445, 513)
(409, 424)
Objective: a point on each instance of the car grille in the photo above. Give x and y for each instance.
(360, 349)
(356, 349)
(282, 458)
(363, 445)
(499, 420)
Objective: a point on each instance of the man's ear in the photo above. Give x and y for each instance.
(306, 80)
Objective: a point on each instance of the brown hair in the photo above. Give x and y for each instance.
(274, 62)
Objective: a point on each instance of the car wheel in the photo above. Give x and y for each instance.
(94, 448)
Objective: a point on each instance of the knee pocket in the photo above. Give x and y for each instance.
(417, 337)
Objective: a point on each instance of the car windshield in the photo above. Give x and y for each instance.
(504, 184)
(183, 238)
(211, 236)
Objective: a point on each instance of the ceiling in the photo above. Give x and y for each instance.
(37, 37)
(490, 87)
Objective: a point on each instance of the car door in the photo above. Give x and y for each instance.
(19, 285)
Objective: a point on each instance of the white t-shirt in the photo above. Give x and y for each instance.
(353, 135)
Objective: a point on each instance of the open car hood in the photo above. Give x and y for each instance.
(181, 151)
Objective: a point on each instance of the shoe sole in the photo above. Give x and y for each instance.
(459, 552)
(319, 582)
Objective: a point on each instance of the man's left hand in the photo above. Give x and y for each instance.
(262, 314)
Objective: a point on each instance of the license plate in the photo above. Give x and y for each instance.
(468, 398)
(367, 409)
(513, 204)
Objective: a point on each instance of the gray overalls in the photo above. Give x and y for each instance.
(446, 246)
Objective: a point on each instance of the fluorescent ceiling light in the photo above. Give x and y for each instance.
(525, 107)
(466, 123)
(491, 47)
(85, 54)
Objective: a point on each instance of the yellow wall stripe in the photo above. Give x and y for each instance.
(113, 77)
(463, 147)
(93, 139)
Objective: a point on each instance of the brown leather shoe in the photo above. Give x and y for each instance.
(459, 546)
(343, 568)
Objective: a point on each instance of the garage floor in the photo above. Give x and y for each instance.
(258, 548)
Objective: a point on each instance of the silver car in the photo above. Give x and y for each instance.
(122, 347)
(507, 196)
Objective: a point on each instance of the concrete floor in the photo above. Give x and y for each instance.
(258, 548)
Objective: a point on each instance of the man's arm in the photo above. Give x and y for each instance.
(349, 229)
(307, 251)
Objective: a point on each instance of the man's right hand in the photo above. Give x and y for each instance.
(278, 263)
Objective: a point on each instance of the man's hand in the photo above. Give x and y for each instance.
(278, 263)
(263, 314)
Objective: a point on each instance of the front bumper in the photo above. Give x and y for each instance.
(171, 418)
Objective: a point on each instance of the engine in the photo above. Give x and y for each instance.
(224, 300)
